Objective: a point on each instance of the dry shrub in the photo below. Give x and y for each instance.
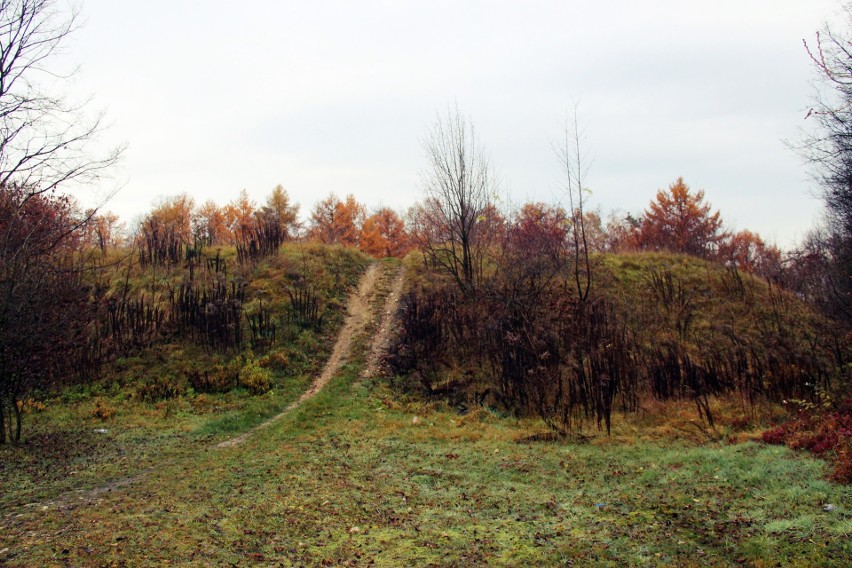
(29, 405)
(160, 388)
(220, 379)
(255, 378)
(276, 360)
(170, 407)
(200, 403)
(824, 433)
(102, 410)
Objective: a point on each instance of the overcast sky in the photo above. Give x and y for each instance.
(213, 97)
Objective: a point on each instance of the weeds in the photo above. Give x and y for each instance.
(824, 432)
(668, 328)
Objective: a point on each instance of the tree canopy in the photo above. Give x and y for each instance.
(679, 220)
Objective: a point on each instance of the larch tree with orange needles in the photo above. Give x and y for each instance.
(747, 251)
(281, 212)
(240, 217)
(383, 235)
(173, 215)
(679, 220)
(210, 224)
(103, 230)
(338, 222)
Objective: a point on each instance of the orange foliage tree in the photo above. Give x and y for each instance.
(543, 224)
(240, 217)
(209, 224)
(536, 244)
(45, 310)
(383, 235)
(166, 230)
(750, 253)
(337, 222)
(174, 215)
(622, 232)
(280, 212)
(679, 220)
(103, 230)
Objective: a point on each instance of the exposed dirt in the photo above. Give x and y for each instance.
(359, 315)
(359, 312)
(383, 335)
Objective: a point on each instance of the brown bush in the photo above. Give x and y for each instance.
(102, 410)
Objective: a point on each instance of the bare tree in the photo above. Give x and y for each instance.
(828, 148)
(458, 186)
(44, 151)
(575, 167)
(44, 137)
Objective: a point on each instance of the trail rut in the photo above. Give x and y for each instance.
(358, 317)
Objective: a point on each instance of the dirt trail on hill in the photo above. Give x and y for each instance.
(359, 314)
(359, 311)
(383, 334)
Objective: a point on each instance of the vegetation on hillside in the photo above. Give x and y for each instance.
(659, 326)
(132, 352)
(361, 476)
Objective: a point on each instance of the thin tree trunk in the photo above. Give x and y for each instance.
(19, 413)
(2, 421)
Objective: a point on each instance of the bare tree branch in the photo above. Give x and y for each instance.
(44, 139)
(458, 186)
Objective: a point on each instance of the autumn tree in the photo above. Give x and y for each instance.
(622, 232)
(175, 213)
(458, 185)
(596, 235)
(44, 307)
(45, 151)
(281, 212)
(209, 224)
(240, 216)
(338, 222)
(102, 230)
(679, 220)
(536, 246)
(747, 251)
(166, 231)
(490, 228)
(383, 235)
(254, 232)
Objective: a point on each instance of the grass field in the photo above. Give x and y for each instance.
(358, 476)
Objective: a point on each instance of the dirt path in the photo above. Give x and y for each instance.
(359, 309)
(360, 313)
(383, 335)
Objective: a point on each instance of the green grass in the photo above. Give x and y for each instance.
(68, 444)
(352, 476)
(361, 475)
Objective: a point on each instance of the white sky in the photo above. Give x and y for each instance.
(213, 97)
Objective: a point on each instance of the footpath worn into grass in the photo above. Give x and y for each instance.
(357, 476)
(359, 313)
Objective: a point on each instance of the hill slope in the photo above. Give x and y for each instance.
(359, 474)
(655, 327)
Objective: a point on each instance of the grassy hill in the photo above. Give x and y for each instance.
(370, 473)
(168, 391)
(655, 328)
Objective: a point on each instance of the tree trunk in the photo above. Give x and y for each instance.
(2, 421)
(18, 407)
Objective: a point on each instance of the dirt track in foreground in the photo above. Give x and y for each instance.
(359, 312)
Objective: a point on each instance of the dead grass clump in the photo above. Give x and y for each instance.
(219, 379)
(103, 410)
